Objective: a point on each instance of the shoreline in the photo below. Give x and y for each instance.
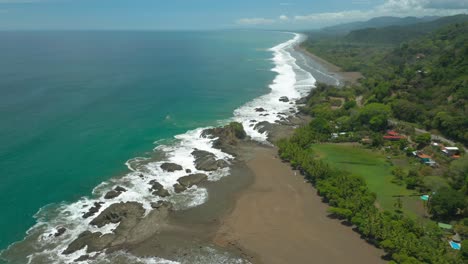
(333, 70)
(208, 231)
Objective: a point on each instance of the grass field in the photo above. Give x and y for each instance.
(375, 169)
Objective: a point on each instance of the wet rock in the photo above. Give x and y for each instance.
(205, 160)
(263, 126)
(179, 188)
(171, 167)
(120, 189)
(116, 212)
(192, 179)
(284, 99)
(93, 210)
(111, 194)
(160, 204)
(188, 171)
(60, 231)
(82, 258)
(253, 121)
(161, 193)
(260, 109)
(158, 189)
(81, 242)
(302, 100)
(227, 136)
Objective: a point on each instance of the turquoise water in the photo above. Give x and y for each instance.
(75, 106)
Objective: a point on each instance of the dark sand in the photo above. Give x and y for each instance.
(332, 69)
(281, 219)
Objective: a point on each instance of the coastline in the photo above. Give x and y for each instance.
(332, 69)
(215, 229)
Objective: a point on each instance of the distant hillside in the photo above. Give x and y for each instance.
(377, 22)
(397, 34)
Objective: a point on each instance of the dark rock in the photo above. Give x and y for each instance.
(188, 171)
(226, 137)
(60, 231)
(171, 167)
(162, 193)
(158, 189)
(263, 126)
(222, 163)
(82, 258)
(302, 100)
(192, 179)
(81, 241)
(93, 210)
(205, 160)
(253, 121)
(260, 109)
(179, 188)
(120, 189)
(284, 99)
(160, 204)
(111, 194)
(116, 212)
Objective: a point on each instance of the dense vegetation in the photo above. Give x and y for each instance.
(423, 80)
(405, 239)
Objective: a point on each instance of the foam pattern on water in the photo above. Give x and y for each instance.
(43, 247)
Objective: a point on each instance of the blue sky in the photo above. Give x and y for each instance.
(209, 14)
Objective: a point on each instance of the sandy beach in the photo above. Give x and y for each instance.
(281, 219)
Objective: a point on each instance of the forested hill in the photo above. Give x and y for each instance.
(424, 80)
(396, 34)
(377, 22)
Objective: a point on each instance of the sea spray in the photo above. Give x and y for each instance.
(43, 246)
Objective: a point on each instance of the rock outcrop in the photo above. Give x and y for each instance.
(192, 179)
(118, 212)
(171, 167)
(158, 189)
(207, 161)
(114, 193)
(284, 99)
(226, 137)
(93, 210)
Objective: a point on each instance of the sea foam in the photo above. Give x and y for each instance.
(291, 81)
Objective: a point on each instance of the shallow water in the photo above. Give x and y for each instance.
(133, 113)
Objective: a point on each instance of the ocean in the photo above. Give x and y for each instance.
(82, 112)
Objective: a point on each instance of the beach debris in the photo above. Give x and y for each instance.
(171, 167)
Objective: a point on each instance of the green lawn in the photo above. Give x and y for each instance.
(374, 168)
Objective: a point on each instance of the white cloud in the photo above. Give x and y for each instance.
(255, 21)
(398, 8)
(284, 18)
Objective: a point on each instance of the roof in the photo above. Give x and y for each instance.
(392, 133)
(445, 226)
(452, 148)
(424, 156)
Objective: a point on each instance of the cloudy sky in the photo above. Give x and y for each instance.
(209, 14)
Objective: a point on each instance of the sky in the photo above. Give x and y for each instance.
(209, 14)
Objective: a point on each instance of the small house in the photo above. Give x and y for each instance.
(452, 152)
(393, 136)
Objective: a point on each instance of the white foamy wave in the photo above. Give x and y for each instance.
(291, 82)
